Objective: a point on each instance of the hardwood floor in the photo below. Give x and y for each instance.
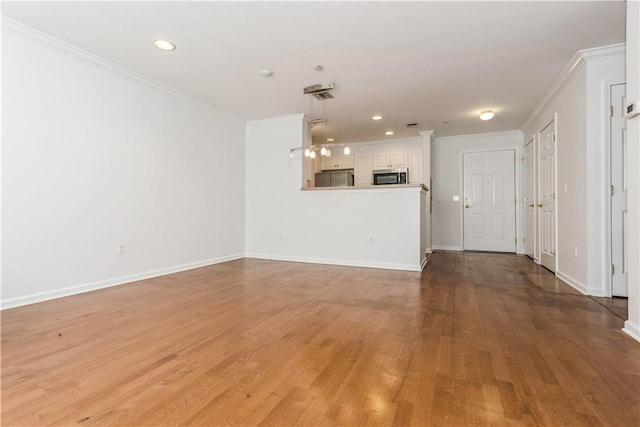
(476, 339)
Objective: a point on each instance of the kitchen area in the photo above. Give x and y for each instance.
(360, 221)
(383, 176)
(368, 164)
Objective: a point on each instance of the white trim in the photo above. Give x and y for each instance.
(606, 278)
(346, 263)
(632, 330)
(427, 134)
(580, 287)
(428, 251)
(116, 281)
(46, 40)
(447, 248)
(576, 63)
(299, 116)
(603, 52)
(480, 135)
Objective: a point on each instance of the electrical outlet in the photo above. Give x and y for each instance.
(566, 188)
(370, 240)
(120, 248)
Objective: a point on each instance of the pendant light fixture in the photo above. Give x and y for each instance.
(322, 92)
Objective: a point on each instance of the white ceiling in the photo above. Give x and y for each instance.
(425, 62)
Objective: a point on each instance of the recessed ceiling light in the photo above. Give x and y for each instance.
(486, 115)
(266, 72)
(164, 44)
(389, 132)
(330, 139)
(376, 117)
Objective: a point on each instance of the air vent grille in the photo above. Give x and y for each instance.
(323, 95)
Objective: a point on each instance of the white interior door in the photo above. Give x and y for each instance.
(529, 199)
(489, 201)
(619, 260)
(547, 204)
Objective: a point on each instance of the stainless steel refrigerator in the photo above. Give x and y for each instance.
(334, 179)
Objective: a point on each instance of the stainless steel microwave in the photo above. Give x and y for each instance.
(390, 176)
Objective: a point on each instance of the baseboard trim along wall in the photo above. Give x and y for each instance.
(572, 282)
(116, 281)
(632, 330)
(447, 248)
(347, 263)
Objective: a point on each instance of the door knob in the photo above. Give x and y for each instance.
(531, 205)
(540, 205)
(467, 206)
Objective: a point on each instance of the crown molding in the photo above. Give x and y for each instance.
(481, 135)
(46, 40)
(577, 62)
(428, 134)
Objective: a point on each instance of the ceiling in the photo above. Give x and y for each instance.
(435, 63)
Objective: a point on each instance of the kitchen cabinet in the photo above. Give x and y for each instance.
(390, 160)
(336, 162)
(415, 167)
(364, 170)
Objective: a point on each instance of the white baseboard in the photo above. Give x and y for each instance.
(448, 248)
(330, 261)
(116, 281)
(632, 329)
(572, 282)
(428, 251)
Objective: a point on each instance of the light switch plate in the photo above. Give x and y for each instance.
(456, 198)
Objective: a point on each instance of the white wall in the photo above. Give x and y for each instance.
(579, 100)
(569, 109)
(325, 226)
(632, 325)
(602, 71)
(92, 157)
(446, 175)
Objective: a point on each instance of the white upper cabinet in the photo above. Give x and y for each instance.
(363, 170)
(336, 162)
(390, 160)
(415, 167)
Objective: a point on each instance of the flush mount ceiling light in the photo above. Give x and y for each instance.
(486, 115)
(389, 133)
(330, 139)
(266, 72)
(164, 44)
(376, 117)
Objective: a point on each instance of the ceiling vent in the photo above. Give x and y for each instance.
(320, 91)
(410, 125)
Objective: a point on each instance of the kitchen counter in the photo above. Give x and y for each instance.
(383, 226)
(369, 187)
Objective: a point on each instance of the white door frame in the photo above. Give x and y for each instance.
(555, 190)
(530, 202)
(608, 285)
(518, 150)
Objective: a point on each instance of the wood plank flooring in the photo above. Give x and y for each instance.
(475, 339)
